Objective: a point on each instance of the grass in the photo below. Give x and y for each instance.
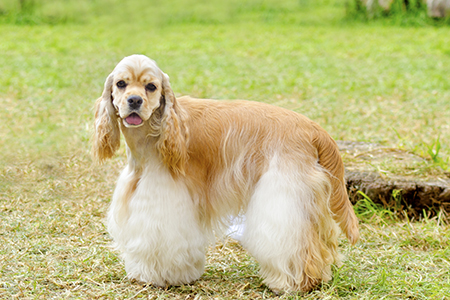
(363, 81)
(54, 246)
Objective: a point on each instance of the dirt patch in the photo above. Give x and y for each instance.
(388, 176)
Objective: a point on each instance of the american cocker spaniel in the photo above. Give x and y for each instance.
(195, 163)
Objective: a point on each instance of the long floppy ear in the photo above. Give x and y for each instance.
(106, 139)
(172, 144)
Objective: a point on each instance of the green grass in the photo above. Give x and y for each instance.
(373, 83)
(362, 81)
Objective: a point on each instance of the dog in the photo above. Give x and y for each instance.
(193, 164)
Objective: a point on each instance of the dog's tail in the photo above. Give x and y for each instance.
(341, 207)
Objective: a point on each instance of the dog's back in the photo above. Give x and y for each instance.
(254, 132)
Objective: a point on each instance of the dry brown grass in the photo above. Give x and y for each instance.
(55, 246)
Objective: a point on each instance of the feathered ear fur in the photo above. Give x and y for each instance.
(172, 144)
(106, 139)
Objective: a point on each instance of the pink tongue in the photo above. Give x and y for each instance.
(133, 119)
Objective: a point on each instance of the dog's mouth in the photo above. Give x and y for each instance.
(133, 120)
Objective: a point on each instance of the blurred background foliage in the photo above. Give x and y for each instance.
(402, 12)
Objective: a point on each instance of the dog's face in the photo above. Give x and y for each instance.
(137, 89)
(138, 93)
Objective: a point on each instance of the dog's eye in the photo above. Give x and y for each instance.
(150, 87)
(121, 84)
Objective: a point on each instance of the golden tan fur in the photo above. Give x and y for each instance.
(220, 150)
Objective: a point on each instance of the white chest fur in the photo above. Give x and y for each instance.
(161, 239)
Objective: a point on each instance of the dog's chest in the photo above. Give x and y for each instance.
(160, 210)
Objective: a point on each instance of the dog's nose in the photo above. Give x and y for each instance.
(134, 101)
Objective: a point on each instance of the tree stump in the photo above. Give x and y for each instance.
(402, 192)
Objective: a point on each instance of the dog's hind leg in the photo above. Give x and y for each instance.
(289, 228)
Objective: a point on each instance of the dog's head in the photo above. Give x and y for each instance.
(137, 89)
(136, 93)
